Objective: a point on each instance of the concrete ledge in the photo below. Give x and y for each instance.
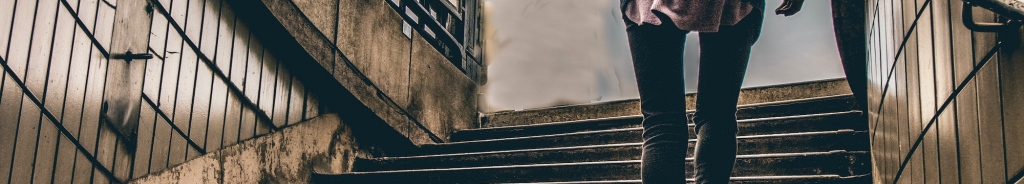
(325, 144)
(792, 91)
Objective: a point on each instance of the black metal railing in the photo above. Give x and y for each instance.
(1008, 8)
(439, 22)
(48, 114)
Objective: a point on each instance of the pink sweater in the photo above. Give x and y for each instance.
(692, 15)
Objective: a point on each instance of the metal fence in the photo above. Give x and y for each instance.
(943, 102)
(454, 30)
(210, 85)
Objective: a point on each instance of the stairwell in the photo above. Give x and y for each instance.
(811, 140)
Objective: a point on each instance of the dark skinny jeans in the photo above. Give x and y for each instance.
(657, 60)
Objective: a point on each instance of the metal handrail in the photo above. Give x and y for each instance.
(454, 11)
(1008, 8)
(443, 40)
(968, 18)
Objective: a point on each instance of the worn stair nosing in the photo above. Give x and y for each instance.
(641, 128)
(771, 103)
(796, 116)
(502, 167)
(748, 156)
(812, 105)
(771, 125)
(641, 116)
(558, 123)
(784, 102)
(797, 134)
(588, 147)
(734, 178)
(541, 136)
(520, 150)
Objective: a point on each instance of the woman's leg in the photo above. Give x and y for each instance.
(848, 23)
(723, 62)
(657, 60)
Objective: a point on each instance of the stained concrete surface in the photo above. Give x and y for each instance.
(323, 14)
(324, 144)
(424, 86)
(370, 35)
(441, 97)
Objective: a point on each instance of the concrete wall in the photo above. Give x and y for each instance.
(972, 136)
(404, 67)
(323, 144)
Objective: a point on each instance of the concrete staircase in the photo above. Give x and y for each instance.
(812, 140)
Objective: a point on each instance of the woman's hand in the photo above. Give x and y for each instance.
(789, 7)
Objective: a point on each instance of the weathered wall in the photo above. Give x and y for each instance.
(404, 67)
(440, 96)
(968, 137)
(322, 144)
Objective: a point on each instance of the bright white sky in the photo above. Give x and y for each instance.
(544, 53)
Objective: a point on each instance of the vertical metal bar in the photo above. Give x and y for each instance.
(24, 150)
(49, 141)
(8, 130)
(87, 170)
(893, 68)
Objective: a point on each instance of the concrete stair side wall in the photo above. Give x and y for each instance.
(367, 67)
(322, 144)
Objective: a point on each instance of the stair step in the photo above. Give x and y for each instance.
(586, 171)
(591, 153)
(750, 180)
(833, 162)
(817, 105)
(773, 125)
(753, 144)
(838, 103)
(748, 165)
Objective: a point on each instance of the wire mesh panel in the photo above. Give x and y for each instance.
(943, 101)
(209, 85)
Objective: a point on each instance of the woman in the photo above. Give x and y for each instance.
(657, 30)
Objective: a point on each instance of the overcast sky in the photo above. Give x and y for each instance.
(544, 53)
